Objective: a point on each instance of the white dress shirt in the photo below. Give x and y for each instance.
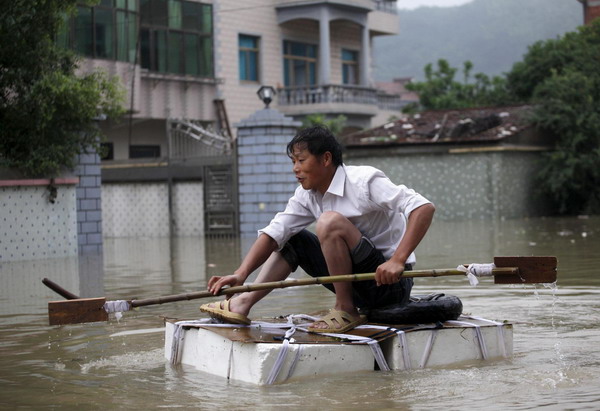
(365, 196)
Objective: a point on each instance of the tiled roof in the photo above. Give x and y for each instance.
(447, 126)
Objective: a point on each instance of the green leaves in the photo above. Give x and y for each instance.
(562, 79)
(441, 91)
(46, 111)
(335, 125)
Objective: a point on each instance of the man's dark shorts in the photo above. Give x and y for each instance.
(304, 250)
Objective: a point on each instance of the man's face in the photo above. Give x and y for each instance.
(312, 172)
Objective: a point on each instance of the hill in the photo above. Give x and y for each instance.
(493, 34)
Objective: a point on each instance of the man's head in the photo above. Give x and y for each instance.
(317, 140)
(316, 155)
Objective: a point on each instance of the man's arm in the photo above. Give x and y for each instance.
(258, 254)
(418, 224)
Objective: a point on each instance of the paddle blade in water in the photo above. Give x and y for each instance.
(531, 270)
(83, 310)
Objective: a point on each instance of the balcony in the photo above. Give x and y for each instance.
(384, 20)
(343, 99)
(387, 6)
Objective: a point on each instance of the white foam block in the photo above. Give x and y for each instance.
(449, 346)
(253, 362)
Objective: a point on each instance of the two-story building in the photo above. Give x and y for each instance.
(204, 61)
(191, 70)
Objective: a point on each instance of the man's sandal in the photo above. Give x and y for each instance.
(220, 310)
(338, 322)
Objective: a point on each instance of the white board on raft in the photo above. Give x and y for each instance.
(255, 360)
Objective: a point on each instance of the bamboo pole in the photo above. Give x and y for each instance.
(306, 281)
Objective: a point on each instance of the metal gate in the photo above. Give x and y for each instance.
(191, 145)
(220, 200)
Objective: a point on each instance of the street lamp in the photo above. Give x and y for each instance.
(266, 93)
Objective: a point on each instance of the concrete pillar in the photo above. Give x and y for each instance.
(265, 178)
(365, 57)
(324, 47)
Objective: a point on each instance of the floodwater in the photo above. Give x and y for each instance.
(121, 365)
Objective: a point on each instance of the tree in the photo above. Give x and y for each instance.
(335, 125)
(47, 112)
(562, 79)
(441, 91)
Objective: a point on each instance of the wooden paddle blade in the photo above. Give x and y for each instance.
(83, 310)
(531, 270)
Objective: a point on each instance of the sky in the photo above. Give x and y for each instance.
(413, 4)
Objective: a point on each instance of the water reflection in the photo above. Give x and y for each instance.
(22, 293)
(120, 363)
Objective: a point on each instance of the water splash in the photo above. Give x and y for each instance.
(137, 361)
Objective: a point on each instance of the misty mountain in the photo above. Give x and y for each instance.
(493, 34)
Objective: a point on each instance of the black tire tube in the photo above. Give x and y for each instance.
(422, 311)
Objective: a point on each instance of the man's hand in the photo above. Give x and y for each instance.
(389, 272)
(217, 282)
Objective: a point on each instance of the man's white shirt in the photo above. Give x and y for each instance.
(365, 196)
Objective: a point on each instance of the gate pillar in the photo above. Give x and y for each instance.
(265, 178)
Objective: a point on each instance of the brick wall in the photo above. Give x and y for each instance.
(89, 204)
(592, 11)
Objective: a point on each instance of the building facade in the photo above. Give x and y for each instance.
(204, 61)
(191, 70)
(591, 10)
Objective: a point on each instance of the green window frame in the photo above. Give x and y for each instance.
(249, 58)
(105, 31)
(350, 73)
(176, 37)
(299, 64)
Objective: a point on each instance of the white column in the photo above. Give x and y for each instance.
(324, 47)
(365, 57)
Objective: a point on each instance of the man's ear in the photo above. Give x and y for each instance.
(327, 158)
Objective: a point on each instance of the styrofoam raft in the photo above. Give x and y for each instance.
(451, 345)
(252, 361)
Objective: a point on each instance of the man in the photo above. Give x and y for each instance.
(365, 223)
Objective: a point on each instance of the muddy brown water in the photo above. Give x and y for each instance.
(120, 364)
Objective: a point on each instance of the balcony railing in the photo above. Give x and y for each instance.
(338, 94)
(390, 102)
(388, 6)
(289, 96)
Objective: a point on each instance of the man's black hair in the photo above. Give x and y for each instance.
(317, 140)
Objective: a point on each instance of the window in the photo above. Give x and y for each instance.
(299, 64)
(107, 151)
(176, 37)
(144, 151)
(248, 56)
(106, 31)
(350, 67)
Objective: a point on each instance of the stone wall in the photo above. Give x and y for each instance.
(475, 185)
